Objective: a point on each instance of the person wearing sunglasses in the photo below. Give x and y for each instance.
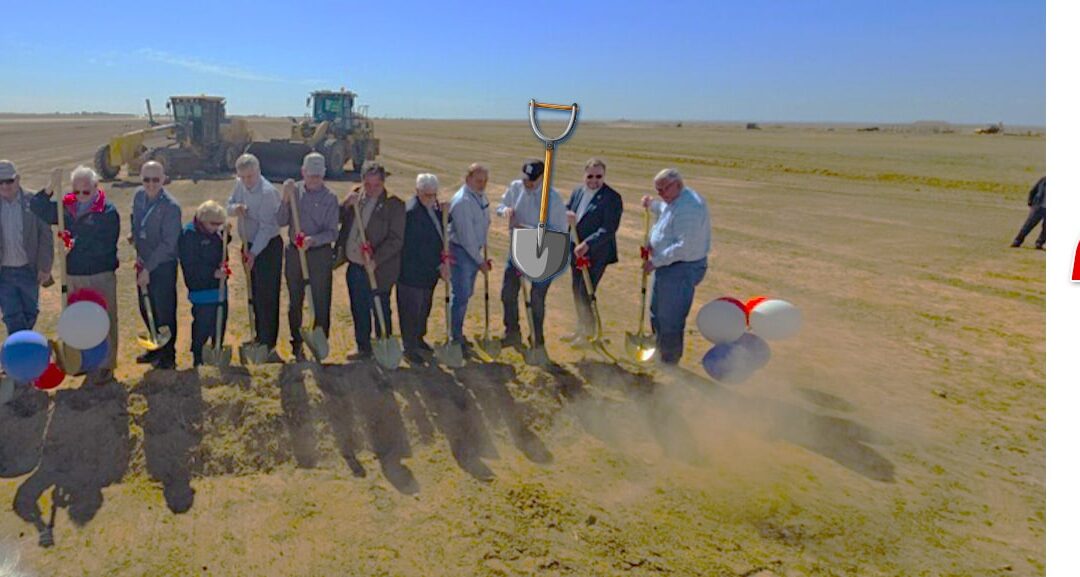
(200, 257)
(26, 249)
(678, 252)
(92, 228)
(596, 210)
(155, 232)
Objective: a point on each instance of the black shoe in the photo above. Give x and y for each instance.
(164, 364)
(146, 358)
(298, 353)
(415, 358)
(511, 340)
(1015, 244)
(1040, 247)
(361, 355)
(274, 358)
(425, 347)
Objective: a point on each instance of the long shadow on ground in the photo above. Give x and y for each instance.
(172, 431)
(488, 384)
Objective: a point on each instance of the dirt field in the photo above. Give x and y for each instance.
(901, 433)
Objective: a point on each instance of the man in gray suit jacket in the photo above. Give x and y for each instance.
(155, 232)
(26, 248)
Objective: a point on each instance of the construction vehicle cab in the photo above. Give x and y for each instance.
(337, 129)
(202, 139)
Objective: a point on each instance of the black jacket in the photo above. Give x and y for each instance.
(94, 234)
(597, 227)
(423, 246)
(200, 257)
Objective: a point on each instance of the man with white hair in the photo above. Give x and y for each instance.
(91, 231)
(26, 249)
(424, 262)
(383, 219)
(318, 208)
(256, 202)
(678, 253)
(155, 232)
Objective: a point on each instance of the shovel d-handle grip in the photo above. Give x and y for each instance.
(550, 142)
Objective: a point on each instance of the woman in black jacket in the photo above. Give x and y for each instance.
(201, 260)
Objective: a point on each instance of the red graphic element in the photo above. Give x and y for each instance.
(646, 253)
(86, 294)
(50, 379)
(66, 238)
(751, 303)
(1076, 264)
(742, 306)
(301, 240)
(583, 262)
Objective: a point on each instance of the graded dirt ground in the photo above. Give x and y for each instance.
(900, 433)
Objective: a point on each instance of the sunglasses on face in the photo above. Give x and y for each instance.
(7, 181)
(84, 192)
(149, 179)
(592, 176)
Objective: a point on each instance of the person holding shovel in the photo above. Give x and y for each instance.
(26, 249)
(201, 259)
(678, 254)
(470, 222)
(256, 201)
(596, 210)
(424, 264)
(318, 227)
(383, 219)
(520, 206)
(91, 231)
(155, 232)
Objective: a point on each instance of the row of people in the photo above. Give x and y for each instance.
(404, 244)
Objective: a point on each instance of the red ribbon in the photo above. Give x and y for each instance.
(138, 267)
(583, 262)
(646, 252)
(489, 263)
(65, 236)
(301, 240)
(225, 267)
(446, 258)
(367, 249)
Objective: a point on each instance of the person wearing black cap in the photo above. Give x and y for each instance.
(520, 206)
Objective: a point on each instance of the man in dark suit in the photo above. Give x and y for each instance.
(424, 266)
(596, 210)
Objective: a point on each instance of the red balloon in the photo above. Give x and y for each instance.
(739, 304)
(86, 294)
(51, 378)
(750, 304)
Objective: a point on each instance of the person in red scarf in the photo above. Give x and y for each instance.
(91, 232)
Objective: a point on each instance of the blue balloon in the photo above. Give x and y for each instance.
(735, 362)
(25, 355)
(92, 358)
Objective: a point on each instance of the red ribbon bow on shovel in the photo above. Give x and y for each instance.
(301, 240)
(583, 262)
(646, 252)
(65, 236)
(446, 258)
(228, 270)
(367, 249)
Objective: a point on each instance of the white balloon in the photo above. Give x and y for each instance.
(83, 325)
(775, 319)
(721, 321)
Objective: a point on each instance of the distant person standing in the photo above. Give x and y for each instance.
(155, 232)
(1037, 202)
(26, 247)
(678, 254)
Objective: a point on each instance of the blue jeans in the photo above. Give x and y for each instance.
(361, 301)
(462, 281)
(204, 327)
(673, 293)
(537, 297)
(19, 297)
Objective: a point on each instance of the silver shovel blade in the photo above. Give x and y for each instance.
(253, 354)
(217, 357)
(539, 258)
(450, 355)
(387, 352)
(316, 341)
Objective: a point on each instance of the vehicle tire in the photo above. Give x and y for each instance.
(229, 154)
(334, 151)
(102, 166)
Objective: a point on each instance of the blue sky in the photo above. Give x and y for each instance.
(895, 61)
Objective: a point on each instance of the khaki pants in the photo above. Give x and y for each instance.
(104, 283)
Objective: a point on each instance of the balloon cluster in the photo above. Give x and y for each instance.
(27, 356)
(739, 332)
